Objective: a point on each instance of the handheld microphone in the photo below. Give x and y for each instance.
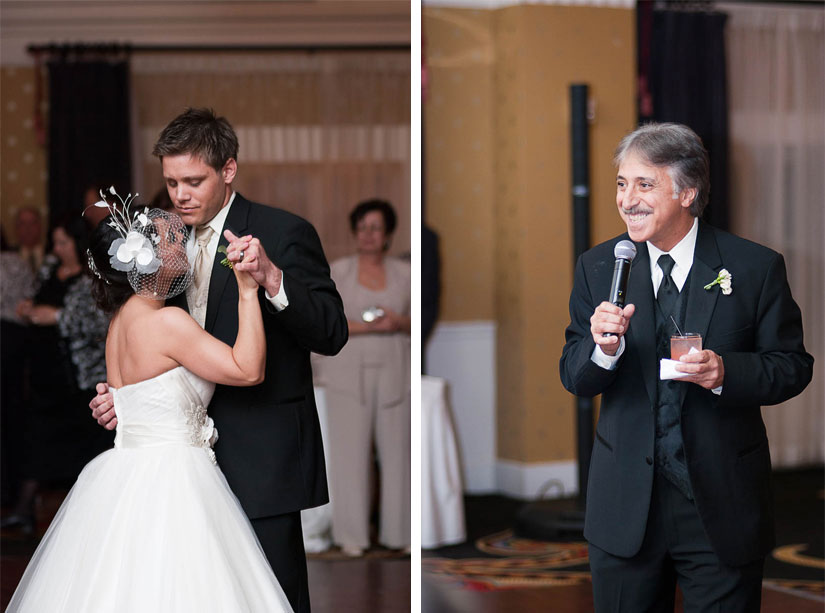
(624, 252)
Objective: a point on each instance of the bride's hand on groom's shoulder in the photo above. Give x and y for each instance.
(255, 261)
(103, 407)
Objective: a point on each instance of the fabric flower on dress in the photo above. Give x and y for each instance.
(203, 432)
(209, 436)
(723, 280)
(209, 433)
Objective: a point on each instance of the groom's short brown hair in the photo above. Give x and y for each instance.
(200, 133)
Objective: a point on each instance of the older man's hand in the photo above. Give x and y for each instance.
(705, 366)
(611, 319)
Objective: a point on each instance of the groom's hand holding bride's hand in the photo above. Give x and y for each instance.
(236, 246)
(103, 407)
(255, 262)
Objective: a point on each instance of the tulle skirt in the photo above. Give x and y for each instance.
(149, 530)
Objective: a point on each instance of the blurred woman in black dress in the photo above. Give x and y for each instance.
(66, 336)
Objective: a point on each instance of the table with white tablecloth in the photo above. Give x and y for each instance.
(442, 496)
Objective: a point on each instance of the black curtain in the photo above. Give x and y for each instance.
(682, 78)
(89, 141)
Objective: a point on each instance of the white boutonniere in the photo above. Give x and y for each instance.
(723, 280)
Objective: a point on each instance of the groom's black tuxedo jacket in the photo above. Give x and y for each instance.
(757, 330)
(269, 444)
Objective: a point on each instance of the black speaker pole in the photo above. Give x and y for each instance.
(549, 519)
(580, 154)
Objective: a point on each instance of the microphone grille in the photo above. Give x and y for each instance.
(625, 250)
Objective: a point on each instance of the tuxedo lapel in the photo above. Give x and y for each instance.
(237, 221)
(641, 334)
(706, 263)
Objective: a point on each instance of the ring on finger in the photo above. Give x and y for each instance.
(241, 254)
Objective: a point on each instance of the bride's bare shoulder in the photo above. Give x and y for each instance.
(164, 321)
(173, 316)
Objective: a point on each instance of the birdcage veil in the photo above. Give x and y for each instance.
(169, 272)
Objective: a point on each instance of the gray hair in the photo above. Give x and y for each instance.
(200, 133)
(679, 149)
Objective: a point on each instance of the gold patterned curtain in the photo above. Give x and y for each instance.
(319, 131)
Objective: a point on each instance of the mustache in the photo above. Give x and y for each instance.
(636, 210)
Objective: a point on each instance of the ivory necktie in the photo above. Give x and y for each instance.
(203, 270)
(202, 263)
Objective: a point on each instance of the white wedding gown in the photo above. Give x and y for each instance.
(151, 525)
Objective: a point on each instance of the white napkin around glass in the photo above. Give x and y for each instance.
(667, 368)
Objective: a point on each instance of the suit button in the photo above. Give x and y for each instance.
(649, 460)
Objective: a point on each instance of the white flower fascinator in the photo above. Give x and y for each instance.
(151, 248)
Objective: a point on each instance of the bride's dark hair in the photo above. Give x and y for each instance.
(111, 288)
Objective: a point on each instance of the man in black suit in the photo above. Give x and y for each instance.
(270, 445)
(430, 285)
(679, 486)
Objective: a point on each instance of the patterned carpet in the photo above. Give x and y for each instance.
(501, 560)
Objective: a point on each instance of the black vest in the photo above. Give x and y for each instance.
(669, 445)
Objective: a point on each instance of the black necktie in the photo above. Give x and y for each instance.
(668, 292)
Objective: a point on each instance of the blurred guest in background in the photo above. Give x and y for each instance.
(66, 341)
(17, 283)
(430, 285)
(28, 226)
(368, 387)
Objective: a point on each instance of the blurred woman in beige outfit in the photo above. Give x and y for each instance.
(368, 387)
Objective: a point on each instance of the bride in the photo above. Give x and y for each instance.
(152, 525)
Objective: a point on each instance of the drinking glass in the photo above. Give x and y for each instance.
(681, 344)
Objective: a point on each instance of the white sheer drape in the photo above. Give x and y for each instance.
(776, 76)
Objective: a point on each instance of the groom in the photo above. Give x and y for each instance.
(679, 487)
(270, 445)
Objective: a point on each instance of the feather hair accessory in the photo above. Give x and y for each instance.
(134, 249)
